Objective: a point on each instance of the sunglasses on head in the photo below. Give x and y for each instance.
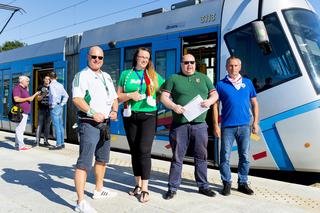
(94, 57)
(188, 62)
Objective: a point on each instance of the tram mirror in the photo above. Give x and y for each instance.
(261, 36)
(112, 44)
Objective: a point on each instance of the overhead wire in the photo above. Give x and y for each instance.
(88, 20)
(47, 15)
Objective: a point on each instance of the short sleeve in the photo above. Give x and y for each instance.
(79, 86)
(168, 85)
(209, 84)
(252, 90)
(160, 80)
(122, 78)
(16, 92)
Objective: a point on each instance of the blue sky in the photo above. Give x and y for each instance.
(66, 22)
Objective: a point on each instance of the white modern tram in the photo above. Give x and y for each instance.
(278, 43)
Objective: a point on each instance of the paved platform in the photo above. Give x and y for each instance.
(39, 180)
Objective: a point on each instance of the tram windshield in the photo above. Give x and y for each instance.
(265, 71)
(305, 29)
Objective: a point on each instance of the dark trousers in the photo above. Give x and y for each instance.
(181, 135)
(140, 129)
(44, 121)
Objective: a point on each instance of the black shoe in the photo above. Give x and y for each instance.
(244, 188)
(208, 192)
(55, 148)
(46, 144)
(226, 189)
(62, 146)
(170, 194)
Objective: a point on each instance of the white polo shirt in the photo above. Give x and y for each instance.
(97, 90)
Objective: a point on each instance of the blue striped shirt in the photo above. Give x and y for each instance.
(57, 94)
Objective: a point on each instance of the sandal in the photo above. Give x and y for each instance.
(135, 191)
(143, 198)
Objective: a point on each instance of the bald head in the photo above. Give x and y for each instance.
(95, 58)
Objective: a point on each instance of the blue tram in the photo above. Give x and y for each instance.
(285, 70)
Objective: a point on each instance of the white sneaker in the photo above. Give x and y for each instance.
(104, 193)
(84, 207)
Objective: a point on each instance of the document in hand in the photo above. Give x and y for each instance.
(193, 109)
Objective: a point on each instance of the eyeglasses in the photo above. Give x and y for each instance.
(143, 57)
(188, 62)
(94, 57)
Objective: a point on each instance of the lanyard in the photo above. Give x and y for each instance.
(104, 82)
(141, 80)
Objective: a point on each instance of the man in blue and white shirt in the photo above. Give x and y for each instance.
(58, 97)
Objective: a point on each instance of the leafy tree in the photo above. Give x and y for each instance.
(9, 45)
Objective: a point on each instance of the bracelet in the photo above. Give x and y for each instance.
(91, 112)
(128, 95)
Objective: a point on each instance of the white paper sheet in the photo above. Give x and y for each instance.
(193, 109)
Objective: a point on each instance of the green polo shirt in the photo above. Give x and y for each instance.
(184, 88)
(131, 82)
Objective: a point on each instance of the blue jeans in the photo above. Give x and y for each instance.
(56, 116)
(180, 137)
(242, 136)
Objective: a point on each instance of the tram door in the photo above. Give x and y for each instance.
(39, 72)
(165, 56)
(204, 48)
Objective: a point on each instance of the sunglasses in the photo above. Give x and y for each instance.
(94, 57)
(188, 62)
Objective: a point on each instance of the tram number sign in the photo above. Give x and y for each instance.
(208, 18)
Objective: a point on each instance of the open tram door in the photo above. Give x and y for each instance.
(39, 73)
(204, 48)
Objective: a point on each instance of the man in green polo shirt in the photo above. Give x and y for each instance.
(178, 91)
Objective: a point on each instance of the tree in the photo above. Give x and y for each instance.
(9, 45)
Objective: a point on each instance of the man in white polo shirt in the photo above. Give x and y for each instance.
(95, 97)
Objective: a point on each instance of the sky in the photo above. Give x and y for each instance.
(49, 19)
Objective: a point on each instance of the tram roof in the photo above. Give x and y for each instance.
(171, 21)
(44, 48)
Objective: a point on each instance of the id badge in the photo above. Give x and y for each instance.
(127, 111)
(143, 96)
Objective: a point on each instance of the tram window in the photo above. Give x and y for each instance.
(305, 29)
(111, 64)
(128, 55)
(266, 71)
(165, 62)
(6, 95)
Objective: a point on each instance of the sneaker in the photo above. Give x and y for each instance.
(170, 194)
(244, 188)
(226, 191)
(23, 148)
(104, 193)
(84, 207)
(208, 192)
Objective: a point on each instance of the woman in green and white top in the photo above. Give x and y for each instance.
(137, 88)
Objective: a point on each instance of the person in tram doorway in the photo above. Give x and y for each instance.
(58, 97)
(138, 89)
(182, 88)
(21, 97)
(237, 95)
(96, 99)
(44, 118)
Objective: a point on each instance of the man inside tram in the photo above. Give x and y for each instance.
(183, 88)
(237, 95)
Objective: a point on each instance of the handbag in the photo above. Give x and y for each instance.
(15, 114)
